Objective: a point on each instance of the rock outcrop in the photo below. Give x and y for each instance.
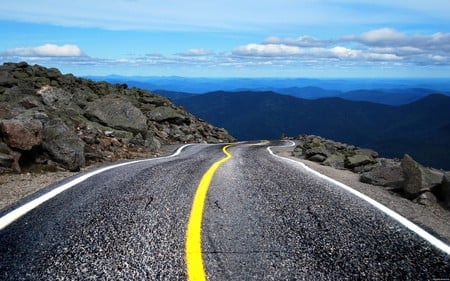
(47, 118)
(335, 154)
(408, 178)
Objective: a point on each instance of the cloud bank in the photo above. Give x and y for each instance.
(379, 48)
(379, 45)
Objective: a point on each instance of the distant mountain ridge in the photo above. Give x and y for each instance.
(420, 128)
(390, 92)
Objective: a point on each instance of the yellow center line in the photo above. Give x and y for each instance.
(264, 142)
(194, 261)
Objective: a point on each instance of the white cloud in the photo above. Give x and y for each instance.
(302, 41)
(267, 50)
(383, 36)
(385, 45)
(374, 48)
(195, 53)
(47, 50)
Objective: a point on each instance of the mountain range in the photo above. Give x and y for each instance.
(384, 91)
(420, 128)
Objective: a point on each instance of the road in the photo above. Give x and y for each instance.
(263, 218)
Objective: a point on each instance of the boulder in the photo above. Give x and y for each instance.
(54, 96)
(167, 113)
(152, 144)
(427, 198)
(359, 160)
(117, 113)
(21, 134)
(314, 150)
(387, 174)
(63, 145)
(317, 158)
(336, 161)
(153, 99)
(418, 179)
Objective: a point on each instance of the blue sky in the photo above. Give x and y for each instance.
(225, 38)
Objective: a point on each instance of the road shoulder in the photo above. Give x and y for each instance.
(434, 219)
(14, 187)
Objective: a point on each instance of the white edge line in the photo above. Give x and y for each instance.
(22, 210)
(404, 221)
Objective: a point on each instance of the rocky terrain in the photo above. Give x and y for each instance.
(404, 177)
(50, 121)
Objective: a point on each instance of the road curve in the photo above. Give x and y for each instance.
(263, 219)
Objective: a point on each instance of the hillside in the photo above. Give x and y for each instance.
(421, 128)
(51, 121)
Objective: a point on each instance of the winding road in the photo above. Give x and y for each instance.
(210, 212)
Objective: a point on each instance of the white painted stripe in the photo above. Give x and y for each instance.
(10, 217)
(404, 221)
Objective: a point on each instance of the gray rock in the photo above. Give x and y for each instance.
(21, 134)
(387, 174)
(418, 179)
(426, 198)
(7, 112)
(364, 168)
(138, 140)
(7, 79)
(63, 145)
(167, 113)
(317, 158)
(316, 149)
(29, 102)
(41, 117)
(117, 113)
(152, 144)
(359, 160)
(336, 161)
(367, 152)
(54, 96)
(298, 151)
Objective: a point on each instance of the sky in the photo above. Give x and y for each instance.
(230, 38)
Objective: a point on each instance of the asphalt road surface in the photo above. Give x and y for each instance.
(263, 219)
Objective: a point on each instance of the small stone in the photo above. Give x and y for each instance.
(109, 134)
(426, 198)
